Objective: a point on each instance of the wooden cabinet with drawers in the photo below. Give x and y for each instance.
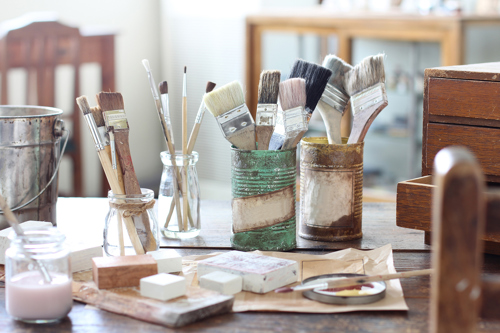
(461, 107)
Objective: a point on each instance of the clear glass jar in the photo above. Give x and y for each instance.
(38, 276)
(131, 225)
(172, 219)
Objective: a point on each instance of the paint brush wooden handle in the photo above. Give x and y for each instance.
(184, 152)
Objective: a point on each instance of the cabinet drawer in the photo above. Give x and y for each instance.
(484, 143)
(464, 99)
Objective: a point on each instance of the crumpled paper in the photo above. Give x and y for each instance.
(378, 261)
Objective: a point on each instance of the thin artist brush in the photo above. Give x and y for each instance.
(184, 152)
(267, 107)
(366, 85)
(199, 117)
(227, 105)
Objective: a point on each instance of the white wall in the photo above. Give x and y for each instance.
(137, 26)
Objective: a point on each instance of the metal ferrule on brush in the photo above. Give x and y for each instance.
(335, 98)
(103, 136)
(94, 132)
(234, 120)
(369, 97)
(200, 114)
(266, 114)
(294, 120)
(166, 115)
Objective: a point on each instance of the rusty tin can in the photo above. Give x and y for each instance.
(331, 190)
(263, 205)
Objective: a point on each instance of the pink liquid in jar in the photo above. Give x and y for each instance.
(30, 298)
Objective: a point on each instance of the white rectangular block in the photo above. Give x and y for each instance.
(4, 235)
(225, 283)
(163, 286)
(81, 256)
(169, 261)
(260, 273)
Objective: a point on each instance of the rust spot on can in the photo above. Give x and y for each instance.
(331, 190)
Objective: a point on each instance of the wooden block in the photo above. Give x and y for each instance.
(163, 286)
(225, 283)
(260, 273)
(169, 261)
(4, 235)
(126, 271)
(81, 256)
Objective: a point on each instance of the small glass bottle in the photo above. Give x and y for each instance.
(38, 276)
(131, 224)
(169, 216)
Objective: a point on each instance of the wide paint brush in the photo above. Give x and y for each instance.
(227, 104)
(267, 107)
(114, 115)
(333, 102)
(365, 84)
(358, 280)
(290, 121)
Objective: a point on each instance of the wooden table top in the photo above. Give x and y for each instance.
(84, 217)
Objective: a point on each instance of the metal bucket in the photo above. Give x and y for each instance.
(331, 190)
(263, 205)
(30, 137)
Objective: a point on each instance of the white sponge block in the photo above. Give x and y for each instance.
(81, 256)
(168, 261)
(163, 286)
(225, 283)
(4, 235)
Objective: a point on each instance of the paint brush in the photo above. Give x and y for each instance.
(199, 117)
(316, 79)
(14, 224)
(333, 102)
(365, 84)
(114, 115)
(184, 152)
(227, 104)
(347, 282)
(267, 107)
(290, 121)
(106, 163)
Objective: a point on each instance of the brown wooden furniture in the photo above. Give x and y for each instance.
(39, 46)
(448, 31)
(460, 108)
(378, 229)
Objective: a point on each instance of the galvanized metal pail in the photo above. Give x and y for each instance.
(263, 205)
(331, 190)
(30, 137)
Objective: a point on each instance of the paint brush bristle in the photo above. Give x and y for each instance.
(163, 87)
(367, 73)
(269, 87)
(97, 114)
(110, 101)
(316, 77)
(145, 63)
(292, 93)
(339, 69)
(83, 104)
(225, 98)
(210, 86)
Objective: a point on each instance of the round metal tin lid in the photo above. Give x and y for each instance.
(377, 293)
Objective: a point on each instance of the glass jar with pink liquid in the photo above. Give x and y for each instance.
(38, 276)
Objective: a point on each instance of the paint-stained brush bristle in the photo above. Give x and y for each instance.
(367, 73)
(163, 87)
(269, 87)
(225, 98)
(292, 93)
(110, 101)
(83, 104)
(210, 86)
(339, 69)
(316, 77)
(97, 114)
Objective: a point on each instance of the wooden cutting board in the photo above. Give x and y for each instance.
(196, 305)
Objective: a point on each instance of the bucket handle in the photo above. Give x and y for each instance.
(57, 130)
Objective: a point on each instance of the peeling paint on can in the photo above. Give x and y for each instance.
(256, 172)
(331, 190)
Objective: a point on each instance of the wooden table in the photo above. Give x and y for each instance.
(448, 31)
(84, 217)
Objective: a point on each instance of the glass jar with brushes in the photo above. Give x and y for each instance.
(131, 225)
(179, 196)
(38, 276)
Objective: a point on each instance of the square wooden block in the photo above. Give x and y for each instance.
(125, 271)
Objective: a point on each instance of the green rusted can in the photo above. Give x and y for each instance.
(263, 188)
